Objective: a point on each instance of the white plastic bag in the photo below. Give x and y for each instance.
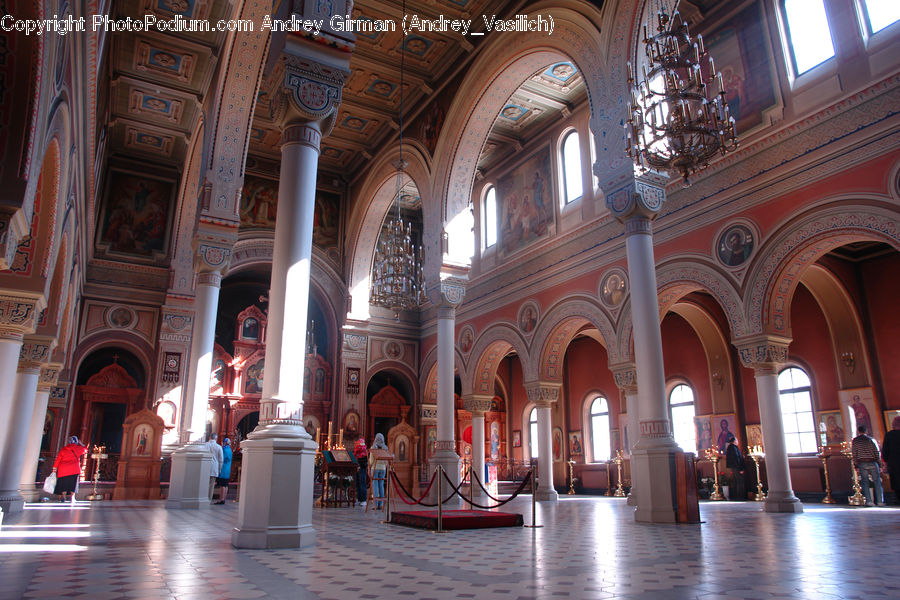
(50, 483)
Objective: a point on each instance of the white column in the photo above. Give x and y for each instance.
(203, 338)
(545, 490)
(19, 418)
(651, 468)
(276, 494)
(445, 445)
(781, 496)
(46, 380)
(631, 400)
(191, 463)
(478, 454)
(10, 346)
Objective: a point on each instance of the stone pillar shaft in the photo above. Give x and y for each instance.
(445, 366)
(545, 489)
(47, 379)
(289, 294)
(781, 496)
(10, 346)
(206, 302)
(19, 418)
(477, 452)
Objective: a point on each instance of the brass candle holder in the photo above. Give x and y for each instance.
(620, 492)
(857, 499)
(823, 455)
(712, 455)
(756, 454)
(98, 455)
(571, 477)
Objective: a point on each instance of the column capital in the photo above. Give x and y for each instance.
(626, 377)
(36, 350)
(477, 404)
(49, 376)
(639, 199)
(308, 91)
(763, 352)
(449, 292)
(211, 255)
(19, 315)
(305, 133)
(543, 393)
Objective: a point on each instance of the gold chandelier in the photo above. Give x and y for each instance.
(397, 279)
(676, 122)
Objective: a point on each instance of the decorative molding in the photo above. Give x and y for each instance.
(656, 429)
(19, 314)
(477, 404)
(543, 393)
(49, 377)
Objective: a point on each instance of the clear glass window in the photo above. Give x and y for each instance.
(533, 432)
(571, 166)
(600, 429)
(490, 217)
(681, 406)
(880, 14)
(808, 33)
(795, 393)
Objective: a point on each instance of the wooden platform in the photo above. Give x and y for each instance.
(457, 519)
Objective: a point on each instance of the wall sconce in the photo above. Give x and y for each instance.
(849, 361)
(718, 379)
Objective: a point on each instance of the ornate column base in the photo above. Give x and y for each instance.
(276, 498)
(279, 431)
(653, 473)
(782, 502)
(189, 484)
(11, 502)
(450, 461)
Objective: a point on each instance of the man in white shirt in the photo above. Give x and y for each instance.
(216, 458)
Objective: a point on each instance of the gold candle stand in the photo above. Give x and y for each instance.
(827, 499)
(857, 499)
(712, 455)
(756, 454)
(571, 491)
(620, 492)
(98, 455)
(609, 488)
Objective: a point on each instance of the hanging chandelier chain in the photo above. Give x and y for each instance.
(397, 278)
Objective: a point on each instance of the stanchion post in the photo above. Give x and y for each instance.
(471, 488)
(387, 494)
(534, 524)
(440, 498)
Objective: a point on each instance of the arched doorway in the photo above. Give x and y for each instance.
(388, 406)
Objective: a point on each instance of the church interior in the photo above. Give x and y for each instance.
(507, 251)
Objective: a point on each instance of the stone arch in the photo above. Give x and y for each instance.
(489, 349)
(498, 71)
(429, 365)
(559, 326)
(844, 326)
(186, 218)
(799, 243)
(678, 278)
(376, 196)
(127, 340)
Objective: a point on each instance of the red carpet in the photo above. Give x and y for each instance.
(457, 519)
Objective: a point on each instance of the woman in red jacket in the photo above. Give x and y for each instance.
(68, 467)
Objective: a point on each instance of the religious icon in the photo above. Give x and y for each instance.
(465, 341)
(612, 290)
(527, 319)
(575, 447)
(735, 245)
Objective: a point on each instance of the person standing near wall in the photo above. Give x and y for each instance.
(362, 458)
(67, 467)
(890, 454)
(224, 472)
(866, 457)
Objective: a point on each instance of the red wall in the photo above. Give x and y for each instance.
(883, 328)
(683, 357)
(811, 347)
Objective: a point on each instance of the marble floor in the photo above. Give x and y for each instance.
(589, 547)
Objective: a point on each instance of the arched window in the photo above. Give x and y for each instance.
(879, 14)
(490, 217)
(571, 167)
(808, 33)
(681, 408)
(795, 394)
(533, 433)
(600, 429)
